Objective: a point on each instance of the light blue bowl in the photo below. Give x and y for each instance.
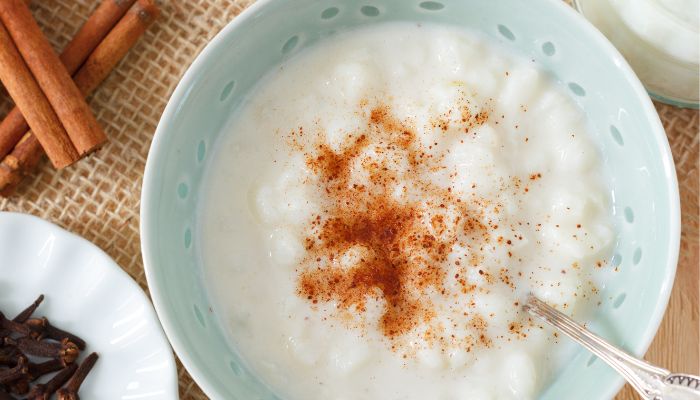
(627, 131)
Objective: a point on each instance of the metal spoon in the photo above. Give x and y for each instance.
(651, 382)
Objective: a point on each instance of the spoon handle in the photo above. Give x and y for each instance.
(648, 380)
(684, 380)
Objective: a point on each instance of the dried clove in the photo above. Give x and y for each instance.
(65, 350)
(19, 386)
(45, 391)
(27, 312)
(17, 372)
(46, 330)
(8, 355)
(70, 392)
(14, 327)
(36, 371)
(26, 336)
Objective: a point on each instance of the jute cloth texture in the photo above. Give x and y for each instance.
(99, 197)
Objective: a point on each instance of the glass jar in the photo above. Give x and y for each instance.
(660, 40)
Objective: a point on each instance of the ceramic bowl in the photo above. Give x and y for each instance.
(626, 129)
(88, 294)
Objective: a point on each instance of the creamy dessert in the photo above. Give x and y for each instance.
(659, 38)
(382, 204)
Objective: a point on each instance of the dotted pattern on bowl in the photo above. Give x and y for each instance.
(547, 49)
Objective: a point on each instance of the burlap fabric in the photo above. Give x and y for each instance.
(99, 197)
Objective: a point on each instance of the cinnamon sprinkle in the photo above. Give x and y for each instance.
(386, 230)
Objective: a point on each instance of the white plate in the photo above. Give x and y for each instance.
(89, 295)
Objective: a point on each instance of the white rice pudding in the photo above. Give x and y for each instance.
(382, 204)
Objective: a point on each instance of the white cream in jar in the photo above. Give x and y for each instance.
(381, 206)
(659, 38)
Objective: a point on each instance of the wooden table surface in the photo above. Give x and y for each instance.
(677, 344)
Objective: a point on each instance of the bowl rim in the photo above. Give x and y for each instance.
(670, 100)
(190, 76)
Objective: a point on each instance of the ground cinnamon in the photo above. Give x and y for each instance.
(54, 80)
(369, 242)
(102, 20)
(95, 69)
(25, 90)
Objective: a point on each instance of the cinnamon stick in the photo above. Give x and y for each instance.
(12, 128)
(25, 90)
(96, 68)
(97, 26)
(24, 157)
(115, 46)
(90, 35)
(54, 80)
